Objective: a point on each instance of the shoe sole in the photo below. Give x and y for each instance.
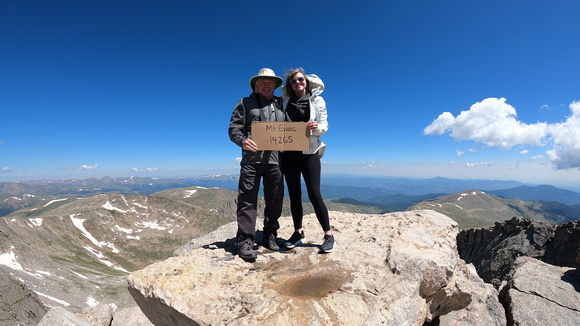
(272, 249)
(249, 258)
(299, 242)
(328, 250)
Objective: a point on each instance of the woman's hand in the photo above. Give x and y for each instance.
(249, 145)
(312, 126)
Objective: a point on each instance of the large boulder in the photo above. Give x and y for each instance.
(130, 317)
(563, 249)
(62, 317)
(18, 304)
(541, 294)
(394, 269)
(100, 315)
(493, 250)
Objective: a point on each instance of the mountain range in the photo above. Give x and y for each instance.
(474, 208)
(395, 193)
(75, 252)
(74, 242)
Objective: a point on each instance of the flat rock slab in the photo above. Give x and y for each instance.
(543, 294)
(395, 269)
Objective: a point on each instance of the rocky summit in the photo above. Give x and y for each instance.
(394, 269)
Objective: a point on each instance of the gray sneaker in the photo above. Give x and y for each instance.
(328, 244)
(246, 251)
(269, 242)
(295, 240)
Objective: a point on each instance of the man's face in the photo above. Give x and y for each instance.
(266, 87)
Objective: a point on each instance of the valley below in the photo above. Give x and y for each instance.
(73, 246)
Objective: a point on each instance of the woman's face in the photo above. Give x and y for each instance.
(298, 84)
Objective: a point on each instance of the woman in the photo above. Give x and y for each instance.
(303, 103)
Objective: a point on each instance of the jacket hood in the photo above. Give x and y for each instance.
(315, 82)
(316, 86)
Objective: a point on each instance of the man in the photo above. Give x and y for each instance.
(261, 105)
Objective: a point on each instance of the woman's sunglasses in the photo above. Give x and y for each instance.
(294, 81)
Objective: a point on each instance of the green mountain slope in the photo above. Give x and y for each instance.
(474, 208)
(75, 252)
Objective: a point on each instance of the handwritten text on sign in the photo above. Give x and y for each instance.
(281, 136)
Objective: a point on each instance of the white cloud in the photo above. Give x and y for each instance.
(368, 165)
(478, 164)
(565, 153)
(524, 152)
(6, 169)
(238, 159)
(441, 125)
(89, 167)
(144, 170)
(493, 122)
(460, 153)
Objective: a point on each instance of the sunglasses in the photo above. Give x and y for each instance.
(294, 81)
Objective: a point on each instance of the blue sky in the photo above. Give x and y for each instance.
(457, 89)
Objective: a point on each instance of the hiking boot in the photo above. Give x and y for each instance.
(246, 251)
(328, 244)
(269, 242)
(295, 239)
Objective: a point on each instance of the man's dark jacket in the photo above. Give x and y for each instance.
(254, 108)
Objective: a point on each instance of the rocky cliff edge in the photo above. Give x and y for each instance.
(393, 269)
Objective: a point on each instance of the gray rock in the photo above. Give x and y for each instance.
(19, 305)
(130, 317)
(101, 315)
(105, 315)
(60, 316)
(563, 248)
(493, 250)
(394, 269)
(484, 309)
(541, 294)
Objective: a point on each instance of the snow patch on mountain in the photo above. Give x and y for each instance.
(62, 302)
(79, 225)
(110, 207)
(139, 205)
(150, 224)
(36, 221)
(9, 259)
(102, 259)
(128, 231)
(92, 302)
(54, 201)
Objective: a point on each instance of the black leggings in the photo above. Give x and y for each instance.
(294, 164)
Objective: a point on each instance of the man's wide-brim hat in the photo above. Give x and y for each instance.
(265, 73)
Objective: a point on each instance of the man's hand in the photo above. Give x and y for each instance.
(249, 145)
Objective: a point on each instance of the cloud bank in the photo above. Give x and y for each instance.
(493, 122)
(134, 169)
(89, 167)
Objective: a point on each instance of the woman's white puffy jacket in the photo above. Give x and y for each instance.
(317, 113)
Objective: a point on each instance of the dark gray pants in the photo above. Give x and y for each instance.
(250, 177)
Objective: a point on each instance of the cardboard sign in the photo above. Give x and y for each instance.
(281, 136)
